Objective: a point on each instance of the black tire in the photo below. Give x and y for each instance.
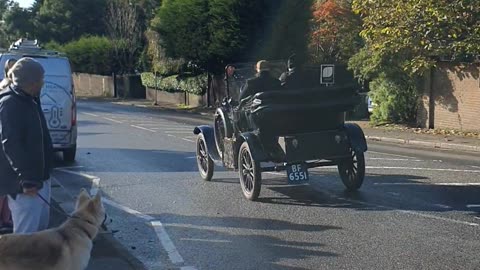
(249, 172)
(222, 129)
(69, 154)
(352, 170)
(204, 162)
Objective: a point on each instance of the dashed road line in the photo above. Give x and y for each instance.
(422, 169)
(188, 140)
(143, 128)
(473, 205)
(388, 154)
(426, 184)
(91, 114)
(113, 120)
(411, 212)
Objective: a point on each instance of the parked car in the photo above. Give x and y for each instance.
(58, 94)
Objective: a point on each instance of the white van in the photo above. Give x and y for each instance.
(58, 95)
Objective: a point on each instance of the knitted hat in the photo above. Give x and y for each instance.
(25, 72)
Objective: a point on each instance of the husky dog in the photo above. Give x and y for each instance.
(67, 247)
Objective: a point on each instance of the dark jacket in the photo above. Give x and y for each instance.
(295, 79)
(263, 82)
(26, 152)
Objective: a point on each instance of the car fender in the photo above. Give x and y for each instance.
(356, 137)
(256, 148)
(209, 136)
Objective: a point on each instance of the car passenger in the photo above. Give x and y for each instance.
(295, 77)
(263, 81)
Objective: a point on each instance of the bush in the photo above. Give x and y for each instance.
(395, 99)
(92, 55)
(192, 84)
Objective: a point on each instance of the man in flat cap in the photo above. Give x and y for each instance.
(26, 148)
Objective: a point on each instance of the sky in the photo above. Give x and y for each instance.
(25, 3)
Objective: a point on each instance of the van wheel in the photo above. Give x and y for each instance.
(69, 154)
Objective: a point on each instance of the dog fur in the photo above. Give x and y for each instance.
(66, 247)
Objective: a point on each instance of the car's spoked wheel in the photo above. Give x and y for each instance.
(250, 174)
(204, 162)
(352, 170)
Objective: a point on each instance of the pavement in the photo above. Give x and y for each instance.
(419, 207)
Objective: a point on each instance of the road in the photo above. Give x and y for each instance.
(418, 208)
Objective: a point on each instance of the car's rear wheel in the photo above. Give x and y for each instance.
(70, 154)
(352, 170)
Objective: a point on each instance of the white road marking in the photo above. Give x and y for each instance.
(387, 154)
(90, 177)
(193, 157)
(277, 173)
(113, 120)
(415, 213)
(91, 114)
(422, 169)
(188, 268)
(143, 128)
(167, 243)
(427, 183)
(473, 205)
(128, 210)
(442, 206)
(70, 167)
(205, 240)
(403, 159)
(179, 131)
(188, 140)
(393, 193)
(477, 167)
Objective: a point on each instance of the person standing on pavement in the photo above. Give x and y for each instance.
(26, 148)
(5, 214)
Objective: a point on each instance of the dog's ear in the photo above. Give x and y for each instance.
(97, 199)
(82, 198)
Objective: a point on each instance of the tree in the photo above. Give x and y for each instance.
(183, 29)
(285, 25)
(420, 30)
(54, 21)
(125, 31)
(335, 31)
(18, 22)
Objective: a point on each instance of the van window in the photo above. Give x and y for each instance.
(52, 66)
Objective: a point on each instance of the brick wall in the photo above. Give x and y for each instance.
(455, 98)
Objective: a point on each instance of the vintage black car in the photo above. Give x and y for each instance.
(307, 127)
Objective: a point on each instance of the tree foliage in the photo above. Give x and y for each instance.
(420, 30)
(335, 31)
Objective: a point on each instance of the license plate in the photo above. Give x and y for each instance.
(297, 173)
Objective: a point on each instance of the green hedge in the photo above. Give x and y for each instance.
(191, 84)
(93, 54)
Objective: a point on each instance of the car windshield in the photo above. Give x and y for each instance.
(53, 66)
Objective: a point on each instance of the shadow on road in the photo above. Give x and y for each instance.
(252, 248)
